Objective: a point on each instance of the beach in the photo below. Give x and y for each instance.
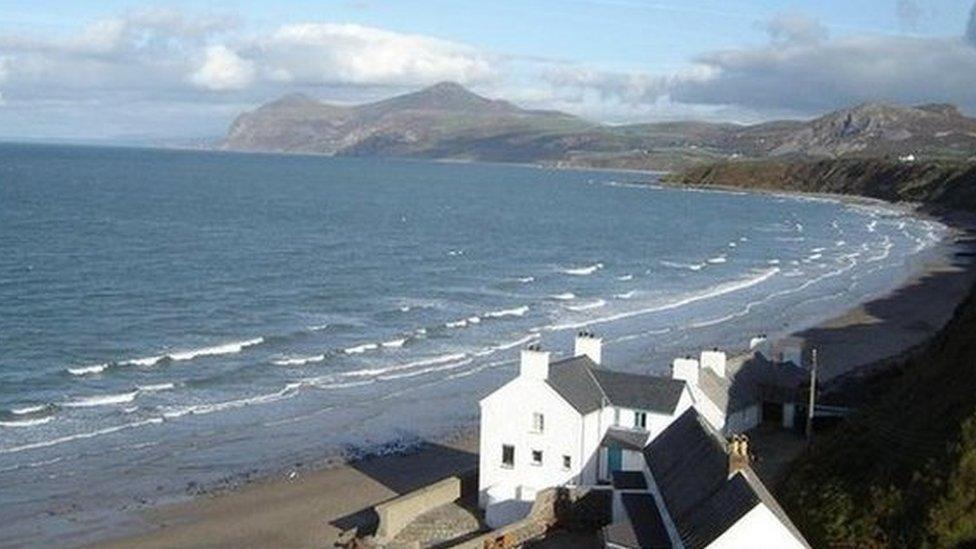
(312, 508)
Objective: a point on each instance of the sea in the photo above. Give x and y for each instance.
(170, 320)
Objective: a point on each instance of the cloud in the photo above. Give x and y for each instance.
(802, 72)
(908, 13)
(222, 70)
(794, 29)
(324, 53)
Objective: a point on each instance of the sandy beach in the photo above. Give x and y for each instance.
(312, 508)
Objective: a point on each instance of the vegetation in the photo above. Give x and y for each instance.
(947, 184)
(901, 472)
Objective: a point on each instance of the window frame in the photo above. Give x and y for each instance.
(640, 420)
(505, 449)
(567, 462)
(540, 427)
(537, 463)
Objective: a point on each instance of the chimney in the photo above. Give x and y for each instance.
(588, 344)
(738, 453)
(714, 360)
(534, 363)
(760, 344)
(685, 369)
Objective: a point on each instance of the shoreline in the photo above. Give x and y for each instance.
(310, 505)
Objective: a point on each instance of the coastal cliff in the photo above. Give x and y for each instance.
(936, 184)
(902, 471)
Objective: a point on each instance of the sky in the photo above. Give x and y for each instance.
(117, 70)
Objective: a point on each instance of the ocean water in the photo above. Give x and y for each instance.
(182, 317)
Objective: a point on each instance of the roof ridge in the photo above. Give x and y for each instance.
(603, 392)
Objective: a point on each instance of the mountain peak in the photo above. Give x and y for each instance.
(443, 96)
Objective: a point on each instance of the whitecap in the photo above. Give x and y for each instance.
(517, 311)
(398, 367)
(101, 400)
(394, 343)
(564, 296)
(225, 349)
(90, 434)
(715, 291)
(526, 279)
(32, 409)
(359, 349)
(298, 361)
(587, 306)
(85, 370)
(718, 259)
(584, 271)
(147, 361)
(30, 422)
(154, 388)
(689, 266)
(625, 278)
(456, 323)
(625, 295)
(773, 262)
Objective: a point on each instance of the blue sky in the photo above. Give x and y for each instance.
(111, 69)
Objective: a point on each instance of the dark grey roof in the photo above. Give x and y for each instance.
(573, 380)
(652, 393)
(587, 387)
(629, 439)
(643, 527)
(629, 480)
(689, 463)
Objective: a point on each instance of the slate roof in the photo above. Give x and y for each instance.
(643, 527)
(628, 439)
(587, 387)
(629, 480)
(745, 377)
(689, 463)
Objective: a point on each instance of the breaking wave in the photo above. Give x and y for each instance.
(584, 271)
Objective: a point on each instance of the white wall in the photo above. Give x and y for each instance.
(759, 528)
(506, 418)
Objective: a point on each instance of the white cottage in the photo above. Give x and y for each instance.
(568, 422)
(698, 490)
(736, 395)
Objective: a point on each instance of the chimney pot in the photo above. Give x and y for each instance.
(589, 345)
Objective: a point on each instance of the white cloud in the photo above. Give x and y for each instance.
(801, 71)
(223, 69)
(326, 53)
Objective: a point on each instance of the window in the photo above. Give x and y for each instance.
(640, 420)
(538, 423)
(567, 463)
(536, 457)
(616, 416)
(508, 455)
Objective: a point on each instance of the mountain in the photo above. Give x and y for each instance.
(442, 121)
(447, 121)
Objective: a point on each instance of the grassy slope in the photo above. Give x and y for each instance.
(902, 472)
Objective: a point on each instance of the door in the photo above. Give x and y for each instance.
(615, 458)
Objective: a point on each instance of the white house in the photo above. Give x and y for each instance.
(735, 395)
(698, 491)
(568, 422)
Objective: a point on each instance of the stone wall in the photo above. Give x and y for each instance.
(398, 512)
(571, 508)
